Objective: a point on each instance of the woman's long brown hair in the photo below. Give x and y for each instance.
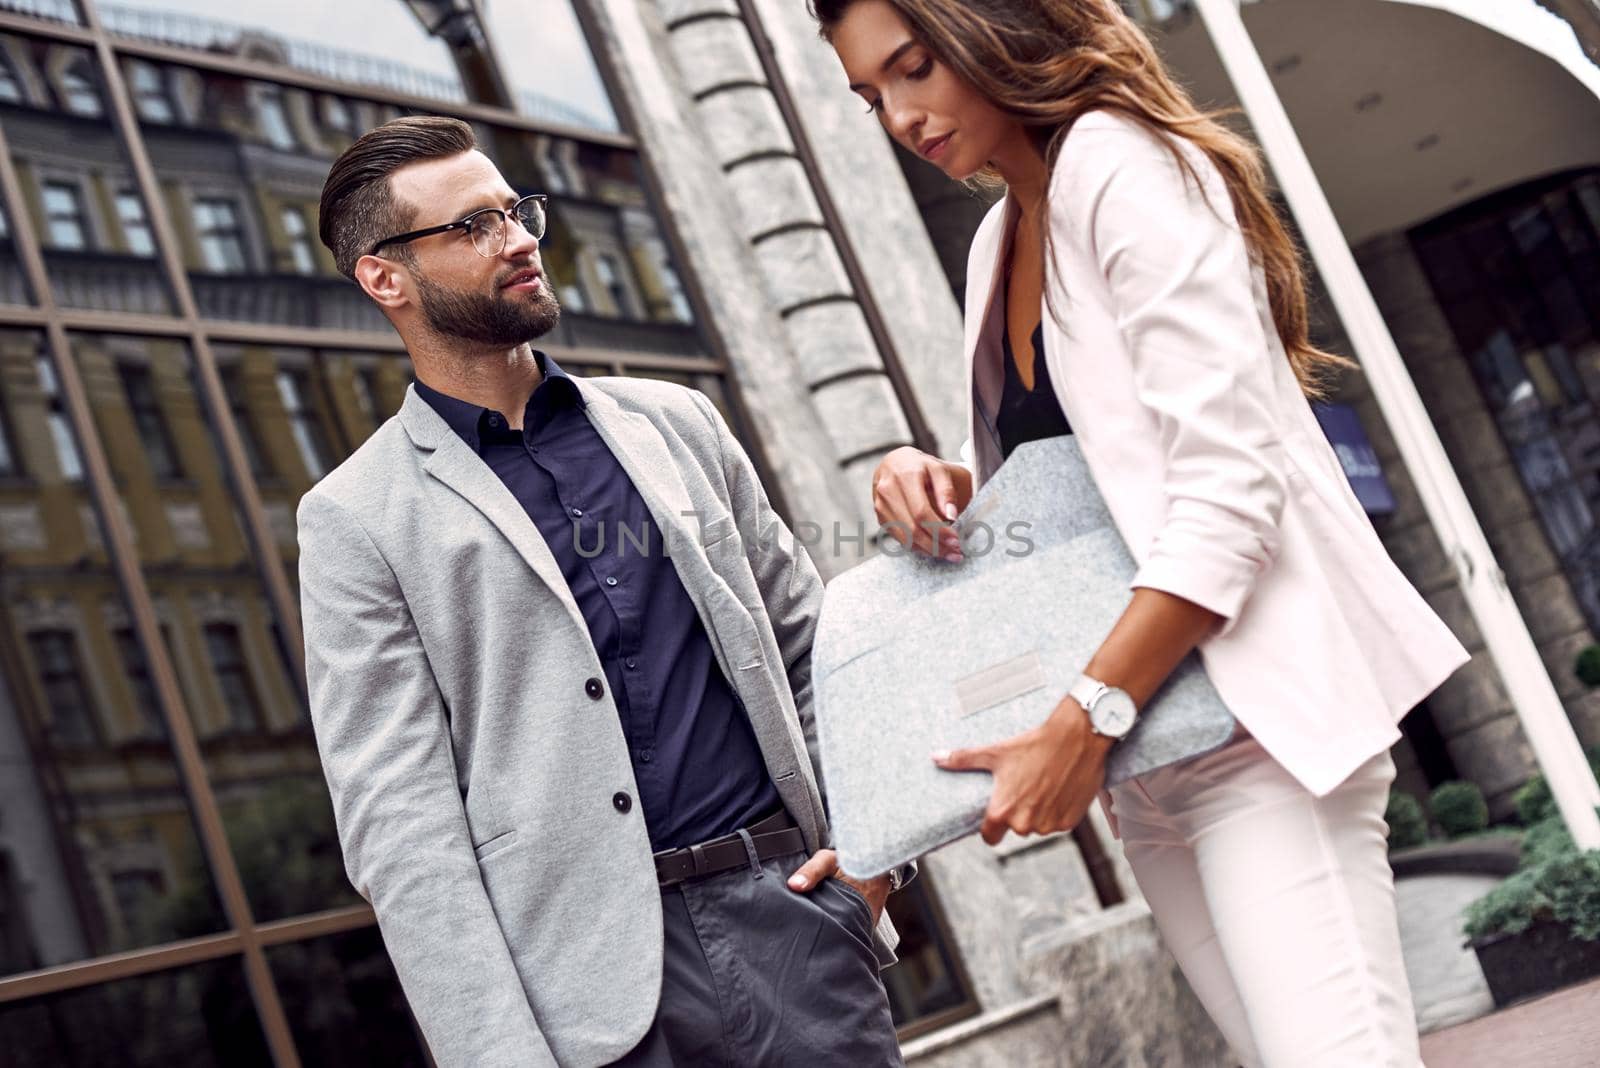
(1050, 61)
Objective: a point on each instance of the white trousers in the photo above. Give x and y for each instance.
(1278, 905)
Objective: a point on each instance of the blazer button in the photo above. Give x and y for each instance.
(594, 689)
(621, 801)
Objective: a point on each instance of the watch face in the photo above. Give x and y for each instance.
(1114, 713)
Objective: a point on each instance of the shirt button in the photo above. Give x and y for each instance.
(621, 801)
(631, 662)
(646, 755)
(594, 689)
(611, 580)
(494, 420)
(578, 512)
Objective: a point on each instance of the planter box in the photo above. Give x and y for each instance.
(1537, 961)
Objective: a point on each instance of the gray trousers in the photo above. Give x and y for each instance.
(758, 975)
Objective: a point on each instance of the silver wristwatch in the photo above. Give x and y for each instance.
(1111, 711)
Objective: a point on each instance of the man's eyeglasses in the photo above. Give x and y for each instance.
(486, 226)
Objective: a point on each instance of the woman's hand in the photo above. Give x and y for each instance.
(1044, 779)
(915, 495)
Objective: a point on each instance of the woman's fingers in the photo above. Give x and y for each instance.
(915, 498)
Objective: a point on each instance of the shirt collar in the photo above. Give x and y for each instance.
(465, 418)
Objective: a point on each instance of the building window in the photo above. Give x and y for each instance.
(8, 454)
(273, 118)
(66, 445)
(78, 89)
(136, 669)
(299, 235)
(145, 407)
(150, 92)
(10, 88)
(63, 215)
(135, 227)
(216, 221)
(234, 387)
(293, 388)
(610, 274)
(242, 705)
(67, 702)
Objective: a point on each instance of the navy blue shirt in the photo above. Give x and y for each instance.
(694, 753)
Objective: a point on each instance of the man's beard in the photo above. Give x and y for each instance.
(502, 320)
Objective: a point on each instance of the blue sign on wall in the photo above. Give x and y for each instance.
(1356, 455)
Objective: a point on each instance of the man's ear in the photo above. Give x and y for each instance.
(383, 280)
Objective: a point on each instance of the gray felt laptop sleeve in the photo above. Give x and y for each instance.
(914, 655)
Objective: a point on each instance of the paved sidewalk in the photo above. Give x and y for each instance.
(1560, 1030)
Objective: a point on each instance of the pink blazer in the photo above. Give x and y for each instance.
(1211, 462)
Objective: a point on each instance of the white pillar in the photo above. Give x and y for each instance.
(1544, 720)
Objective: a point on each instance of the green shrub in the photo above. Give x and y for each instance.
(1459, 809)
(1408, 826)
(1545, 841)
(1535, 803)
(1587, 667)
(1571, 884)
(1508, 908)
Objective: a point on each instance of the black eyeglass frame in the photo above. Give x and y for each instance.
(465, 223)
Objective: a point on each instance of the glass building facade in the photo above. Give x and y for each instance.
(179, 362)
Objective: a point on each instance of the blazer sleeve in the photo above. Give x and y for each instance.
(1179, 276)
(384, 737)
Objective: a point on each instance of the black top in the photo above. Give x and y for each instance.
(699, 770)
(1028, 414)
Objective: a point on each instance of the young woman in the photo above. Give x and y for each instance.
(1136, 288)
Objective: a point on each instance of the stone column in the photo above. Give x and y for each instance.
(882, 217)
(688, 148)
(775, 210)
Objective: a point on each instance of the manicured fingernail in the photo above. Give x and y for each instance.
(950, 512)
(798, 882)
(953, 557)
(940, 755)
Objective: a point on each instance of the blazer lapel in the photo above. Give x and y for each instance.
(638, 446)
(991, 253)
(457, 466)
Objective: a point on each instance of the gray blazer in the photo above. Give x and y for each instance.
(473, 793)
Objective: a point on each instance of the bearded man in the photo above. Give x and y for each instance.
(563, 704)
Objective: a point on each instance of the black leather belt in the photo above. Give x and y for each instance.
(774, 836)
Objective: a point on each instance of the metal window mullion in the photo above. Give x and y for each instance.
(148, 961)
(214, 398)
(130, 965)
(118, 537)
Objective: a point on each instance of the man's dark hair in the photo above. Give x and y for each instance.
(358, 209)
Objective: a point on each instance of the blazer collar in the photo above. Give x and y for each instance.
(638, 446)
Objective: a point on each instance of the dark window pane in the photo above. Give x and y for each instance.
(361, 42)
(198, 1017)
(568, 89)
(239, 701)
(925, 980)
(1520, 303)
(70, 716)
(148, 419)
(344, 1003)
(76, 182)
